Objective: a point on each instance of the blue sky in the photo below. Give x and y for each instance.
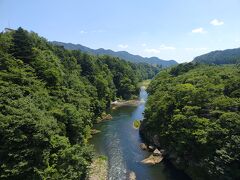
(168, 29)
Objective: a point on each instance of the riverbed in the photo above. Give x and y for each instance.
(119, 141)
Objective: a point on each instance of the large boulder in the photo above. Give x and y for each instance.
(151, 148)
(151, 160)
(156, 152)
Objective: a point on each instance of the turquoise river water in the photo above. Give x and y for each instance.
(119, 141)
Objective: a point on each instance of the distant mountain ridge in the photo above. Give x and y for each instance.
(228, 56)
(121, 54)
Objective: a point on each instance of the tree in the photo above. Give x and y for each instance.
(194, 109)
(50, 98)
(22, 45)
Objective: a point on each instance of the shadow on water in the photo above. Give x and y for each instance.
(119, 141)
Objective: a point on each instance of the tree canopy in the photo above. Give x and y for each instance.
(194, 109)
(50, 98)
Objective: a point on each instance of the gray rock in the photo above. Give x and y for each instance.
(156, 152)
(151, 148)
(151, 160)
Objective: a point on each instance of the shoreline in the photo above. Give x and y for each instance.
(132, 102)
(98, 170)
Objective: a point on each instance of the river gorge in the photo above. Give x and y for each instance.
(119, 142)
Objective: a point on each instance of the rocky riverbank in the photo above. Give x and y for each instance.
(151, 160)
(156, 157)
(153, 145)
(104, 117)
(132, 102)
(120, 103)
(98, 170)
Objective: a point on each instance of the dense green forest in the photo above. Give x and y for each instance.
(49, 99)
(228, 56)
(120, 54)
(194, 109)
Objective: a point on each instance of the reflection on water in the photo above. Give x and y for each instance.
(119, 141)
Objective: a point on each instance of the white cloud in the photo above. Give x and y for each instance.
(152, 51)
(123, 46)
(216, 22)
(143, 45)
(164, 47)
(199, 30)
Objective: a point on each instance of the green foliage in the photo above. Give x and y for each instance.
(194, 109)
(50, 98)
(22, 45)
(144, 83)
(136, 124)
(182, 68)
(48, 67)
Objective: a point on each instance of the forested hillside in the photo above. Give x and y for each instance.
(229, 56)
(120, 54)
(50, 97)
(194, 110)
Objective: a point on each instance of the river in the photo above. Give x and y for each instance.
(119, 141)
